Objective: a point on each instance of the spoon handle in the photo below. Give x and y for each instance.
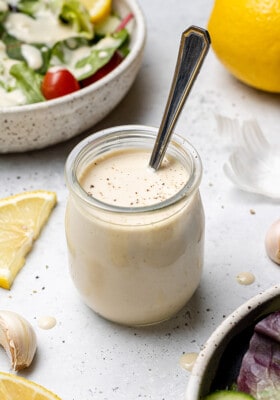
(194, 46)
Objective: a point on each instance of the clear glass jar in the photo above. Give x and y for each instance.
(134, 265)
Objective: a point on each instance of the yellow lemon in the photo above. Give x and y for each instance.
(98, 9)
(22, 217)
(246, 38)
(17, 388)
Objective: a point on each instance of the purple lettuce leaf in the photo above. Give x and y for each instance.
(270, 326)
(259, 374)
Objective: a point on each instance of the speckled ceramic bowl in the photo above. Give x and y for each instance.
(218, 363)
(39, 125)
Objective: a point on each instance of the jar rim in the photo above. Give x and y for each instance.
(119, 133)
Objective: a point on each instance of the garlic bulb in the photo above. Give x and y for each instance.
(18, 339)
(272, 242)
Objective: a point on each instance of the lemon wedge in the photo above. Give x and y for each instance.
(98, 9)
(22, 217)
(17, 388)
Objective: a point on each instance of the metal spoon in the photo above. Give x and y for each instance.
(195, 43)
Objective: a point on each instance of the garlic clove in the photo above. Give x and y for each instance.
(18, 338)
(272, 242)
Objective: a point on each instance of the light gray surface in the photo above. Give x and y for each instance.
(86, 357)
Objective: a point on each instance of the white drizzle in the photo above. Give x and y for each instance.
(187, 360)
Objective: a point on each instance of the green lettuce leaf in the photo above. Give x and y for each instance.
(28, 81)
(63, 51)
(3, 15)
(101, 54)
(95, 56)
(13, 50)
(33, 7)
(72, 12)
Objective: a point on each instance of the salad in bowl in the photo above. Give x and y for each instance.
(241, 359)
(77, 66)
(50, 48)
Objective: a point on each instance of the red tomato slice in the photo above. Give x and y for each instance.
(58, 82)
(103, 71)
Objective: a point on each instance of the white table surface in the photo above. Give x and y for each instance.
(85, 357)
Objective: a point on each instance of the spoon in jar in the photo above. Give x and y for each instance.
(194, 45)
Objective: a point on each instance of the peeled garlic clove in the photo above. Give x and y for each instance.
(18, 339)
(272, 242)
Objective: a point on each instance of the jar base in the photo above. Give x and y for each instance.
(140, 324)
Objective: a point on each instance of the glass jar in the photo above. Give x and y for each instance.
(134, 265)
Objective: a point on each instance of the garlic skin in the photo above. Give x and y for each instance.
(272, 242)
(18, 339)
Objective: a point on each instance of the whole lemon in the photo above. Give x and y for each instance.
(245, 36)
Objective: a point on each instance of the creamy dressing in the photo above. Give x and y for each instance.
(3, 6)
(5, 65)
(187, 360)
(12, 96)
(71, 59)
(103, 54)
(245, 278)
(135, 269)
(32, 56)
(46, 28)
(125, 179)
(105, 43)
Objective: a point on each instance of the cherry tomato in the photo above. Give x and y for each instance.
(112, 64)
(58, 82)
